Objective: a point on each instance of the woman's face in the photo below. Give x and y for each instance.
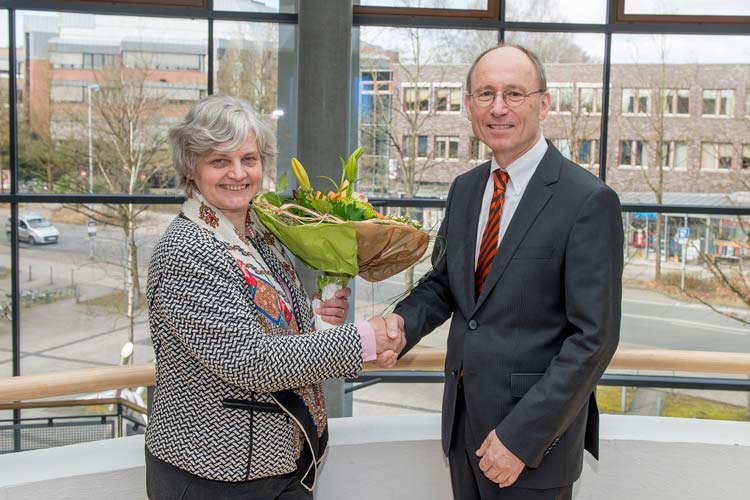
(230, 180)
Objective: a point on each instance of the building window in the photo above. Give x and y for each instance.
(636, 101)
(375, 97)
(417, 99)
(66, 93)
(633, 154)
(676, 101)
(479, 150)
(745, 156)
(562, 99)
(446, 148)
(588, 152)
(421, 146)
(716, 156)
(590, 100)
(718, 102)
(376, 81)
(448, 99)
(674, 155)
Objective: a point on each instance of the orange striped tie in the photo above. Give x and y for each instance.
(488, 248)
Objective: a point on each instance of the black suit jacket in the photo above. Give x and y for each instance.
(535, 342)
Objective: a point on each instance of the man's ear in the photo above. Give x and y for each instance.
(544, 104)
(467, 105)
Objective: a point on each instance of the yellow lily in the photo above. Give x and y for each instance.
(301, 175)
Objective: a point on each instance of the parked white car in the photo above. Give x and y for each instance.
(34, 229)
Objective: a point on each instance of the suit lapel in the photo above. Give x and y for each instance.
(473, 197)
(534, 198)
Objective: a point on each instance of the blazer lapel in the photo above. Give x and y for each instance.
(535, 197)
(472, 207)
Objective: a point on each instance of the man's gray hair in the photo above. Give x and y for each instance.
(216, 123)
(538, 66)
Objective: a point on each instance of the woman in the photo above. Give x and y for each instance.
(238, 411)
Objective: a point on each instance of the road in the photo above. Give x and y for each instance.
(109, 243)
(649, 320)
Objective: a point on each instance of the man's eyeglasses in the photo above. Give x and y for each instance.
(512, 98)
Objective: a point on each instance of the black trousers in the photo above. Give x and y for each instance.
(164, 481)
(468, 480)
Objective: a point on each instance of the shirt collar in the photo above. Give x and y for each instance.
(521, 170)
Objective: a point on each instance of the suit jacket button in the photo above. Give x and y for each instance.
(473, 324)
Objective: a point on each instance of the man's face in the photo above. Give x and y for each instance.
(508, 131)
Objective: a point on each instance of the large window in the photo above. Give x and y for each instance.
(561, 98)
(589, 100)
(425, 119)
(718, 102)
(96, 95)
(415, 148)
(674, 155)
(446, 148)
(633, 154)
(675, 101)
(636, 101)
(716, 156)
(448, 98)
(96, 121)
(417, 99)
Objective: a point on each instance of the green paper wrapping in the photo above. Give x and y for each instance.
(331, 248)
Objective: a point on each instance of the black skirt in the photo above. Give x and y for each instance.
(164, 481)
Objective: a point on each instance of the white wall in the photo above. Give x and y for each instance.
(643, 458)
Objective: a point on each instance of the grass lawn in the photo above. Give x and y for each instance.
(609, 398)
(682, 405)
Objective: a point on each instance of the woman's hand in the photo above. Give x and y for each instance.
(334, 310)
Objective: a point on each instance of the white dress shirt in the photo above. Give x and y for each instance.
(520, 172)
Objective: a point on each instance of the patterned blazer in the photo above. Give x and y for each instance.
(222, 365)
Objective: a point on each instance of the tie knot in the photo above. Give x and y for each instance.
(501, 179)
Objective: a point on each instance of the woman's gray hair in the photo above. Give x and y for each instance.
(216, 123)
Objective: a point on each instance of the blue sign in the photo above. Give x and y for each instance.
(682, 235)
(644, 215)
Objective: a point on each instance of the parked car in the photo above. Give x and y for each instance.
(34, 229)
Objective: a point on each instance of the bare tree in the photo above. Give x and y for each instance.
(129, 150)
(643, 116)
(402, 113)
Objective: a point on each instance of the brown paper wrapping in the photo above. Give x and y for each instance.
(386, 249)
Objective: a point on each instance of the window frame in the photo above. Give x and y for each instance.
(717, 156)
(633, 146)
(717, 103)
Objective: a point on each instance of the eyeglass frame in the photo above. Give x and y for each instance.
(504, 93)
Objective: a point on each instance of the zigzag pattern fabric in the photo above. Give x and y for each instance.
(488, 247)
(213, 345)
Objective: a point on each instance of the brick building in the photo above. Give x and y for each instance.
(692, 120)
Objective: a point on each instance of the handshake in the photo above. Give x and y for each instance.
(389, 338)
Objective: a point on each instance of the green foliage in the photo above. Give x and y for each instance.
(283, 183)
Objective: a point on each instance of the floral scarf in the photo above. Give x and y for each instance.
(272, 296)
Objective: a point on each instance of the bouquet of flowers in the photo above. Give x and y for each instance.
(339, 232)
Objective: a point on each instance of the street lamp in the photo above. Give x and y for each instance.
(90, 88)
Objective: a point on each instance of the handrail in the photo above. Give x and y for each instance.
(88, 380)
(71, 403)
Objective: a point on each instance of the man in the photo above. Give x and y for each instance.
(528, 262)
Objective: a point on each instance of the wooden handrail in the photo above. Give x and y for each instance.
(88, 380)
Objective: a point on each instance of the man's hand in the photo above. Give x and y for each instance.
(333, 311)
(389, 339)
(497, 462)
